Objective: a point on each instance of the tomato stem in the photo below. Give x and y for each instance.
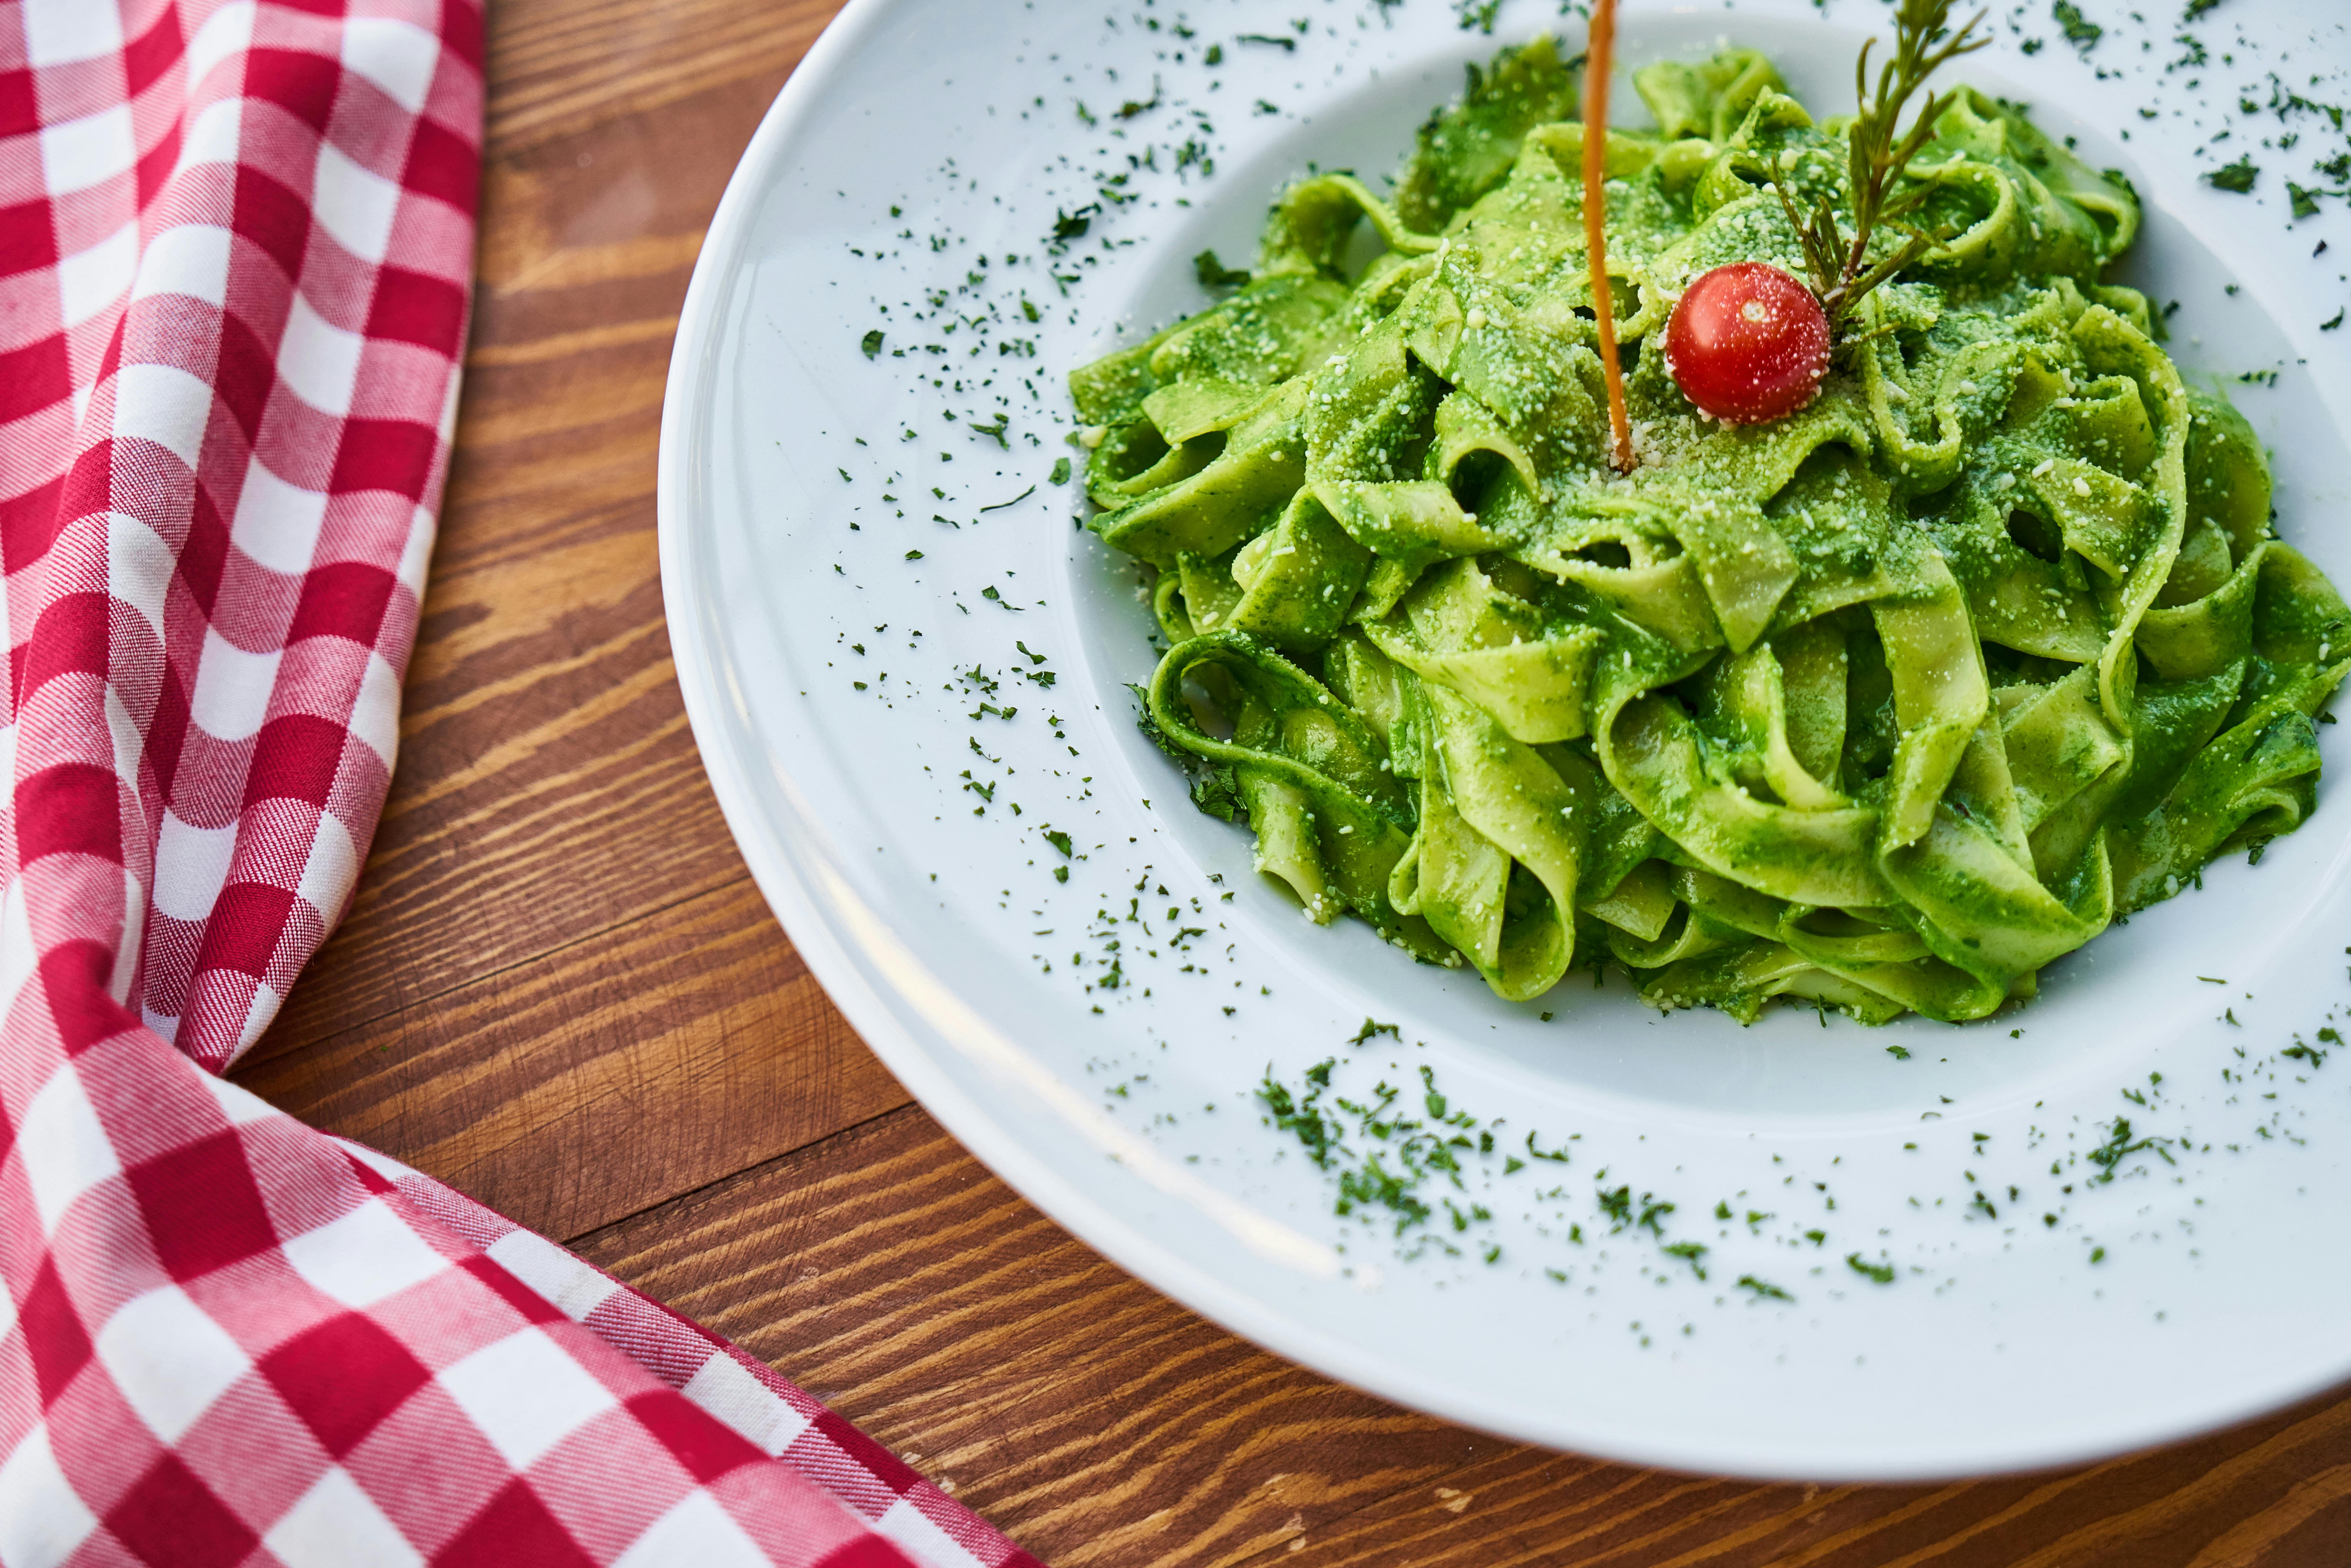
(1595, 171)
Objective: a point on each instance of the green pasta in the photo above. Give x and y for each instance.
(1883, 706)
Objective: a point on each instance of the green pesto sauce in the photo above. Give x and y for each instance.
(1880, 707)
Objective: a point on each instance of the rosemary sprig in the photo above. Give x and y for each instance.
(1842, 271)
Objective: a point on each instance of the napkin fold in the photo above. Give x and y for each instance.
(235, 247)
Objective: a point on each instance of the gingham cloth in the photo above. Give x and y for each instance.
(235, 246)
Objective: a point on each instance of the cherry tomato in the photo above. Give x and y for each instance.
(1748, 343)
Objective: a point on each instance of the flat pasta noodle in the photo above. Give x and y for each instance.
(1882, 707)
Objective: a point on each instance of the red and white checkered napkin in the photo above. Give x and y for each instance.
(234, 246)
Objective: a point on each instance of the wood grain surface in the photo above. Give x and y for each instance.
(559, 991)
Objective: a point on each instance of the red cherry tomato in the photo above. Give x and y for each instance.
(1748, 343)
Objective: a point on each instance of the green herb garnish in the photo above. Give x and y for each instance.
(2238, 176)
(2121, 1145)
(1214, 274)
(1131, 108)
(2079, 30)
(1841, 269)
(2305, 198)
(1690, 1252)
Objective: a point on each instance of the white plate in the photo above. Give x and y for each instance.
(1126, 1113)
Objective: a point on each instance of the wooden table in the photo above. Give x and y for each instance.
(559, 991)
